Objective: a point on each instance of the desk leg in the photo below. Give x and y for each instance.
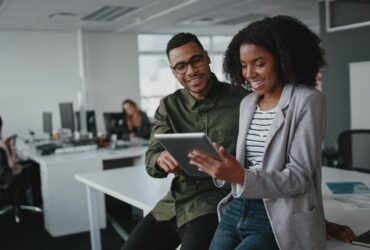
(93, 218)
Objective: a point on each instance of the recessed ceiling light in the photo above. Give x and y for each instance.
(62, 14)
(2, 4)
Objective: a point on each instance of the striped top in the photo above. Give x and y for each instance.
(257, 135)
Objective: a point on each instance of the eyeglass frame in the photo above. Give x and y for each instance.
(202, 56)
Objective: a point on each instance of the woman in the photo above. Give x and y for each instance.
(137, 121)
(8, 147)
(275, 200)
(26, 172)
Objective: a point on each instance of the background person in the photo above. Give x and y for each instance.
(26, 170)
(137, 120)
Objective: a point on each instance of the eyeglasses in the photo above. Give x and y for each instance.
(194, 61)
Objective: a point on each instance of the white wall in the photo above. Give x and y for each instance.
(40, 69)
(359, 94)
(112, 71)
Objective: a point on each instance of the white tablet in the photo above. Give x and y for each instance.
(180, 145)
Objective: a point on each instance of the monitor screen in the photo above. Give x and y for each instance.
(115, 124)
(47, 126)
(90, 121)
(66, 116)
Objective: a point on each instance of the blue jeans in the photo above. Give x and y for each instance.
(244, 226)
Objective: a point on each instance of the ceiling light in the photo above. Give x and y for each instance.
(62, 14)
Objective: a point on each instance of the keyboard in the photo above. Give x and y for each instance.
(82, 142)
(74, 149)
(48, 148)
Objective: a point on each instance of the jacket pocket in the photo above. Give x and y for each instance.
(308, 228)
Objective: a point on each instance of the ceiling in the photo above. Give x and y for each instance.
(223, 17)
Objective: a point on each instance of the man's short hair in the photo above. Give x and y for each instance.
(180, 39)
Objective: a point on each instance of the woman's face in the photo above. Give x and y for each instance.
(129, 109)
(259, 69)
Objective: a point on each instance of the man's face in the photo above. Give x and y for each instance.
(196, 75)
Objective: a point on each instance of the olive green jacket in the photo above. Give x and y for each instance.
(217, 115)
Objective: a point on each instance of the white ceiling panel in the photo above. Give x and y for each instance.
(159, 16)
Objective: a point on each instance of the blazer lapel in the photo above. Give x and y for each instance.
(279, 119)
(246, 115)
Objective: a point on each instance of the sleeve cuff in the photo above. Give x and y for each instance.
(219, 183)
(237, 190)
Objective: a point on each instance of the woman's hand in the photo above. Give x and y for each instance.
(228, 169)
(340, 232)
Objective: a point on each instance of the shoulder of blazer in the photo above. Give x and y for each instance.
(249, 100)
(306, 95)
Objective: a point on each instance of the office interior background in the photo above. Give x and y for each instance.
(96, 53)
(44, 61)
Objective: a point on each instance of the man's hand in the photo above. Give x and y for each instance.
(167, 163)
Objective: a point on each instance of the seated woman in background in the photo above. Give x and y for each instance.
(137, 120)
(27, 170)
(8, 146)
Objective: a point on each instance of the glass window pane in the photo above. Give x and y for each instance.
(150, 105)
(205, 41)
(156, 78)
(149, 42)
(220, 43)
(216, 66)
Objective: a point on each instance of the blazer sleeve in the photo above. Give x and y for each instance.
(303, 158)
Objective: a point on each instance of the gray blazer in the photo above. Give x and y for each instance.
(290, 179)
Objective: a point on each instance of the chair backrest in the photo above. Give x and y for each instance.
(6, 175)
(354, 148)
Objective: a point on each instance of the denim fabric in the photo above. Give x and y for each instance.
(244, 226)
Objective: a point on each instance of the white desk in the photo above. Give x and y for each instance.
(358, 220)
(64, 200)
(132, 185)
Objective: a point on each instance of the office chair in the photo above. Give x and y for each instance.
(354, 149)
(11, 188)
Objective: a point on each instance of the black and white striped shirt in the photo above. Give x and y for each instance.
(257, 135)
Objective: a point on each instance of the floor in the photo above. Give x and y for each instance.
(30, 233)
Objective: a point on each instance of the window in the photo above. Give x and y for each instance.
(156, 79)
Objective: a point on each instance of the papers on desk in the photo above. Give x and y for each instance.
(352, 195)
(348, 188)
(354, 202)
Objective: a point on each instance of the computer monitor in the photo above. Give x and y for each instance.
(90, 122)
(115, 124)
(67, 116)
(47, 125)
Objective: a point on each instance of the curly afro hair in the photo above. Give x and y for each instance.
(294, 46)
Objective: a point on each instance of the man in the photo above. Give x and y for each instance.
(187, 214)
